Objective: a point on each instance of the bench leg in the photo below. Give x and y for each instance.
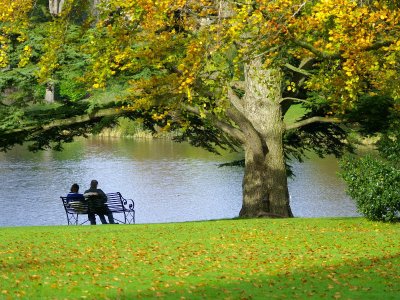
(129, 217)
(72, 219)
(83, 222)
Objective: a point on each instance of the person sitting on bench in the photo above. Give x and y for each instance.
(75, 199)
(97, 204)
(74, 195)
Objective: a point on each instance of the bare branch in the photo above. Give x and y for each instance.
(298, 70)
(299, 9)
(294, 99)
(306, 62)
(312, 120)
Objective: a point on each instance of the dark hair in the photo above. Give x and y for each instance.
(75, 188)
(94, 183)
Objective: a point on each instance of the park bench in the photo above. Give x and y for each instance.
(122, 209)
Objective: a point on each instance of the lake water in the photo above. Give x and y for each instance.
(169, 182)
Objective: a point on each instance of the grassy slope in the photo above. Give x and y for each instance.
(294, 113)
(227, 259)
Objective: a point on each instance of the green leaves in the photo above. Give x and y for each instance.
(374, 185)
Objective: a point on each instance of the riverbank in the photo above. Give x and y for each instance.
(348, 258)
(127, 128)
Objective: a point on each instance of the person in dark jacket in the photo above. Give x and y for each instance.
(97, 200)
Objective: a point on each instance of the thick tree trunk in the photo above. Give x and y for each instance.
(55, 6)
(265, 188)
(95, 11)
(255, 189)
(49, 96)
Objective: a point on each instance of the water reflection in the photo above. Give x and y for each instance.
(317, 190)
(169, 182)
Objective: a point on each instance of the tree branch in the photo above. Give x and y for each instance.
(312, 120)
(325, 55)
(317, 52)
(238, 84)
(70, 121)
(299, 9)
(235, 100)
(297, 70)
(225, 127)
(378, 45)
(294, 100)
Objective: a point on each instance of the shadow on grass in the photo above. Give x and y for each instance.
(376, 278)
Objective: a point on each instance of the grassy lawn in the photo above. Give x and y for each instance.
(347, 258)
(294, 113)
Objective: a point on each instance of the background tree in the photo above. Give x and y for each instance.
(226, 73)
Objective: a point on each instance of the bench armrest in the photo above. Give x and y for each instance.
(128, 203)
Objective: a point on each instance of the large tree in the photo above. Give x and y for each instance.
(223, 73)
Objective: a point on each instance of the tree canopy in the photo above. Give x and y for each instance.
(221, 72)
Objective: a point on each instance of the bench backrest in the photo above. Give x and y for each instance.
(74, 207)
(115, 202)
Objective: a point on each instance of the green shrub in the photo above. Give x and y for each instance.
(389, 147)
(375, 186)
(128, 127)
(71, 90)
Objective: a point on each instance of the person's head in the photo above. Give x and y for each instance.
(93, 184)
(74, 188)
